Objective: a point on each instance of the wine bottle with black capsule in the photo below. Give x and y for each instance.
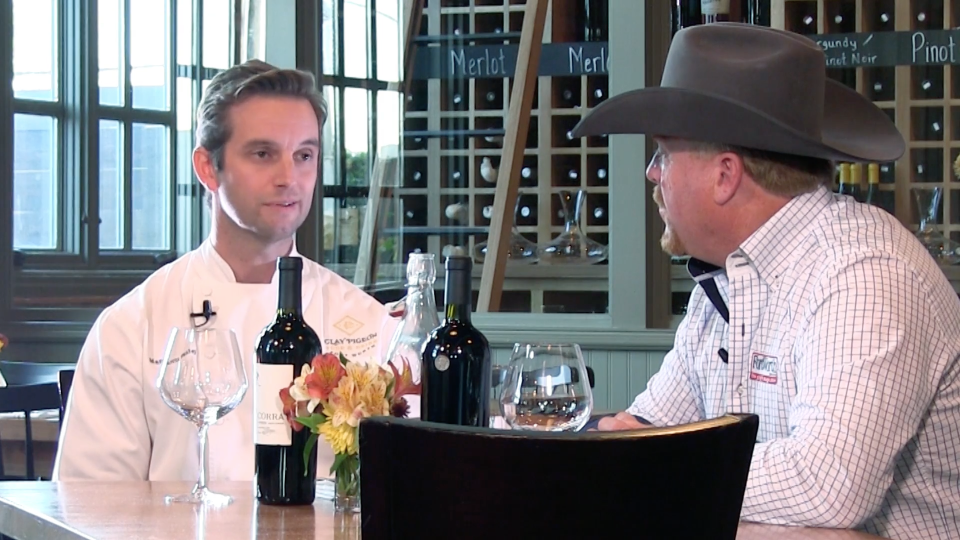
(455, 360)
(284, 347)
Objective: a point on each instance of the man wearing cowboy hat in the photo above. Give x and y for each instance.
(824, 316)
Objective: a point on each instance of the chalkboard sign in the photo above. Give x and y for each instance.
(921, 47)
(499, 61)
(866, 49)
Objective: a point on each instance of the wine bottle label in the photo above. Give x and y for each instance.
(715, 7)
(272, 427)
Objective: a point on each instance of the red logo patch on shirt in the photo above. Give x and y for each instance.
(763, 368)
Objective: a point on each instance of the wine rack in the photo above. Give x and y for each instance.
(454, 123)
(923, 100)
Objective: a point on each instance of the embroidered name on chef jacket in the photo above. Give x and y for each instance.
(763, 368)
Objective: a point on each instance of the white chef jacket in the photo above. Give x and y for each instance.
(117, 426)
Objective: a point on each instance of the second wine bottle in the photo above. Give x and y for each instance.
(455, 371)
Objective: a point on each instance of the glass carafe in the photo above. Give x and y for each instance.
(573, 246)
(419, 319)
(520, 250)
(927, 206)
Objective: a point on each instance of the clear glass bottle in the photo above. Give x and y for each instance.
(420, 317)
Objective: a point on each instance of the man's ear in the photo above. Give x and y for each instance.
(204, 167)
(729, 177)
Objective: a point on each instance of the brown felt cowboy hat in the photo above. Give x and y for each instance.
(753, 87)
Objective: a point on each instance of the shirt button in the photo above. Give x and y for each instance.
(741, 389)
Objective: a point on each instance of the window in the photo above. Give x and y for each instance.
(102, 146)
(36, 85)
(364, 119)
(452, 132)
(102, 143)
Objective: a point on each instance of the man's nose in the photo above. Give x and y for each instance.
(283, 174)
(653, 171)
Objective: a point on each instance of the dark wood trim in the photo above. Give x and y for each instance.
(658, 262)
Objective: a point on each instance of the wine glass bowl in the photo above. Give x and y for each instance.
(546, 388)
(201, 378)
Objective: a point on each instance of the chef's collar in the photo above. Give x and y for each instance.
(219, 268)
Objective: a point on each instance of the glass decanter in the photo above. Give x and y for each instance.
(520, 250)
(419, 319)
(927, 206)
(573, 246)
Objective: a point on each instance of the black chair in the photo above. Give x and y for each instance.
(64, 382)
(425, 480)
(21, 373)
(26, 399)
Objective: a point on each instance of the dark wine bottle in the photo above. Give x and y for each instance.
(285, 345)
(456, 371)
(873, 185)
(685, 13)
(846, 186)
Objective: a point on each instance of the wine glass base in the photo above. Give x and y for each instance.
(200, 496)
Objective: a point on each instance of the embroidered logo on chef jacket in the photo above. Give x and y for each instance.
(348, 325)
(763, 368)
(353, 344)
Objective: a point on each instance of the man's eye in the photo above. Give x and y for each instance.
(306, 156)
(262, 154)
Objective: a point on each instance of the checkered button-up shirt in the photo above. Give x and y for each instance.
(843, 337)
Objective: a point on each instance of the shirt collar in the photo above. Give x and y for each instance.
(771, 247)
(219, 268)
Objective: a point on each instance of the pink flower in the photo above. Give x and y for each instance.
(290, 407)
(326, 375)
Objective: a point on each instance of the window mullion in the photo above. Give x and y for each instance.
(127, 133)
(79, 136)
(6, 159)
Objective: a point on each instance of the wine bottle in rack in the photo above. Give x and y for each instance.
(873, 185)
(712, 11)
(287, 344)
(856, 179)
(756, 12)
(599, 215)
(846, 187)
(455, 360)
(685, 13)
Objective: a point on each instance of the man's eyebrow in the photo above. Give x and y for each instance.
(266, 142)
(258, 142)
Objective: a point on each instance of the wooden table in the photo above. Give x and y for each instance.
(108, 510)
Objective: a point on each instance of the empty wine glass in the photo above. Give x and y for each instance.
(546, 388)
(202, 378)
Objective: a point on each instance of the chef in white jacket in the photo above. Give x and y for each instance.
(257, 155)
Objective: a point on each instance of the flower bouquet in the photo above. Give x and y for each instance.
(331, 396)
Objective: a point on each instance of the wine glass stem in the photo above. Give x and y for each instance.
(202, 481)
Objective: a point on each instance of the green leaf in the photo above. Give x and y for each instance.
(306, 452)
(313, 421)
(343, 360)
(337, 462)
